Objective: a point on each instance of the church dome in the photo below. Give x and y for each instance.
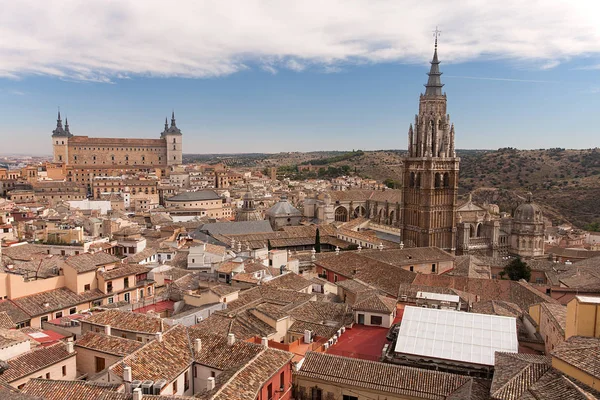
(528, 212)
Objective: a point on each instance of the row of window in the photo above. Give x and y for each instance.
(48, 376)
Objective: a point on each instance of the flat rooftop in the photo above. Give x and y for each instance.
(455, 335)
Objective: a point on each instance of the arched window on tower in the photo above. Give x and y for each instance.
(174, 141)
(412, 180)
(418, 183)
(446, 180)
(438, 180)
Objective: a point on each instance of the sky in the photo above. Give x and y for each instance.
(277, 75)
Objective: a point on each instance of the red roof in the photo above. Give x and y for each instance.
(46, 337)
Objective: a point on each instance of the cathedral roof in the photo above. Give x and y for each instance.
(283, 208)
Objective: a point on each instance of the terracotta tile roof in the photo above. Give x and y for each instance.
(289, 281)
(10, 393)
(57, 299)
(127, 321)
(558, 313)
(141, 256)
(407, 256)
(528, 376)
(352, 286)
(90, 262)
(245, 385)
(5, 321)
(318, 329)
(228, 267)
(514, 373)
(34, 360)
(124, 270)
(223, 290)
(376, 303)
(165, 359)
(72, 390)
(216, 353)
(581, 352)
(23, 252)
(108, 344)
(387, 378)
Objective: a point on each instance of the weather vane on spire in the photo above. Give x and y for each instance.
(436, 33)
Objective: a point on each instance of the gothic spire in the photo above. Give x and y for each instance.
(59, 120)
(434, 83)
(173, 119)
(67, 125)
(166, 124)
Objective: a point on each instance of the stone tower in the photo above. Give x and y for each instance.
(60, 141)
(173, 137)
(430, 177)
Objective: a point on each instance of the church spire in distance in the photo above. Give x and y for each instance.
(434, 83)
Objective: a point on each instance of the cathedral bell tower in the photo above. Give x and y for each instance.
(430, 177)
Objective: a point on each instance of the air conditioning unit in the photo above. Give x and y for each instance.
(147, 387)
(158, 385)
(404, 297)
(326, 345)
(134, 385)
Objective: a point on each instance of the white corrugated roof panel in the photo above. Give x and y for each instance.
(438, 296)
(454, 335)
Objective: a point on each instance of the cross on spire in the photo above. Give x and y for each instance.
(436, 34)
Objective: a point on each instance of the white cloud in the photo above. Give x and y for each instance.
(103, 40)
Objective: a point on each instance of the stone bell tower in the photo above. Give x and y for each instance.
(430, 177)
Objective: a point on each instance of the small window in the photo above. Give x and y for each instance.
(64, 370)
(376, 320)
(175, 387)
(412, 268)
(44, 319)
(100, 364)
(73, 311)
(270, 391)
(86, 287)
(47, 375)
(58, 314)
(282, 381)
(432, 267)
(212, 374)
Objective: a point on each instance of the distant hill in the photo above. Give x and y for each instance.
(565, 182)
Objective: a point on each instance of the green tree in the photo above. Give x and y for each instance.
(516, 270)
(318, 241)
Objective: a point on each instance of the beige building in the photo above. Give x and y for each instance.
(324, 376)
(583, 317)
(206, 202)
(52, 362)
(98, 351)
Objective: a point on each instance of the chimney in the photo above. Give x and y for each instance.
(210, 383)
(137, 394)
(127, 373)
(230, 339)
(158, 336)
(264, 341)
(70, 346)
(197, 345)
(337, 251)
(107, 329)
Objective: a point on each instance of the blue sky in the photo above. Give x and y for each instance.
(307, 84)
